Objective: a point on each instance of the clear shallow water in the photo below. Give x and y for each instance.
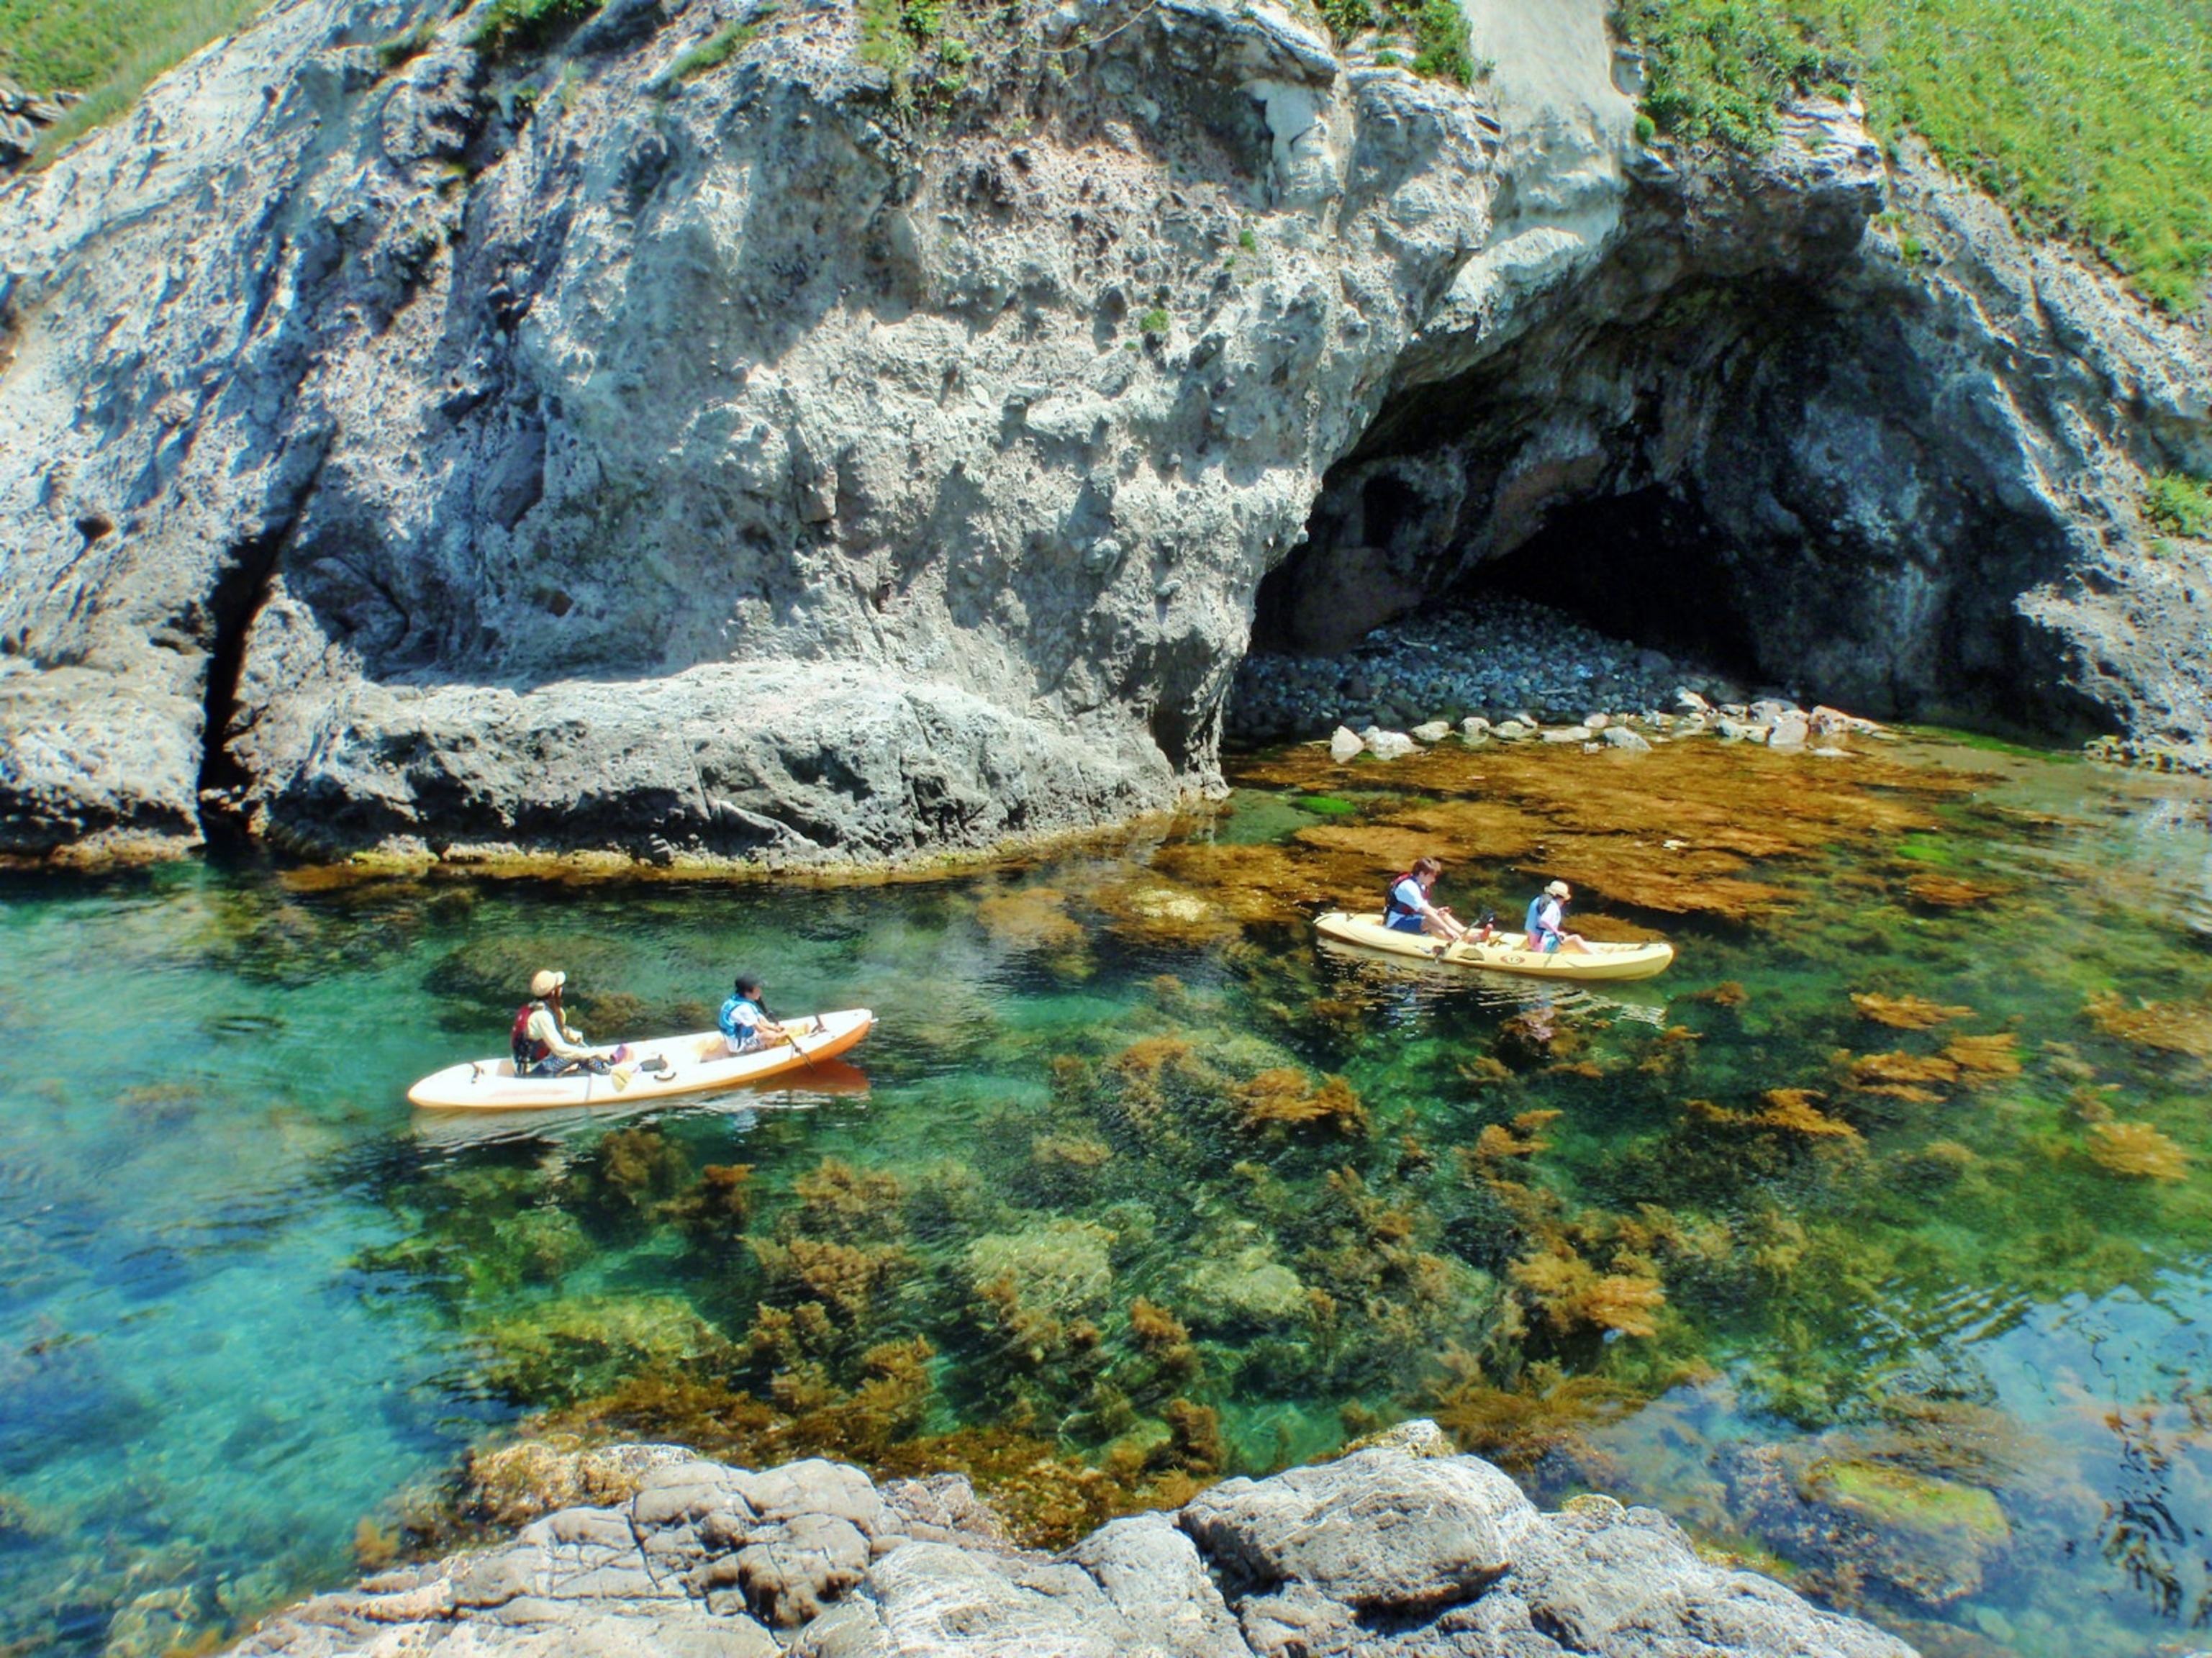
(1091, 1196)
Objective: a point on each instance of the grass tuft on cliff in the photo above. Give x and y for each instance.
(108, 50)
(2088, 117)
(1444, 46)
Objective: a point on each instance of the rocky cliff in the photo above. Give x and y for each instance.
(1395, 1552)
(694, 435)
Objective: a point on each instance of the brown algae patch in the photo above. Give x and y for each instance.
(2138, 1149)
(1907, 1013)
(1676, 832)
(2168, 1026)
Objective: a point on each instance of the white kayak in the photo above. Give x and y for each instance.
(691, 1063)
(1506, 952)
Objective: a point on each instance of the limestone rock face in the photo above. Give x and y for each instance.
(463, 454)
(1400, 1551)
(410, 446)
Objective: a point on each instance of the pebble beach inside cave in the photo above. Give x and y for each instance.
(1869, 1242)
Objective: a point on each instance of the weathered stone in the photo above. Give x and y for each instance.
(1620, 736)
(1387, 745)
(1345, 745)
(1378, 1530)
(791, 1571)
(1788, 730)
(497, 564)
(1431, 731)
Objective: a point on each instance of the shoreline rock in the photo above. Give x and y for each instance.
(1399, 1549)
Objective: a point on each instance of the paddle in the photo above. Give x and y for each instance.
(792, 1037)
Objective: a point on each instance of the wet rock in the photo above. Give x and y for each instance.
(1396, 1547)
(1930, 1538)
(1344, 744)
(1376, 1530)
(1387, 745)
(1620, 736)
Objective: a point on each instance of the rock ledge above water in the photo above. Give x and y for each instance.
(1395, 1549)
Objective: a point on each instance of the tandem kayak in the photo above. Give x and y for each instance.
(688, 1065)
(1505, 952)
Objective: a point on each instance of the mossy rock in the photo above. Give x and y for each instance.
(1062, 1268)
(1248, 1289)
(1894, 1499)
(572, 1349)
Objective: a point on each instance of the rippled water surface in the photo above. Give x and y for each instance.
(1871, 1241)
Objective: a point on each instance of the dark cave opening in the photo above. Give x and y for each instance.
(239, 592)
(1646, 567)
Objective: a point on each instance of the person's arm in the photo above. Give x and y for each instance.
(560, 1041)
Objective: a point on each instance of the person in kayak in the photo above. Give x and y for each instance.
(545, 1044)
(1406, 908)
(1546, 927)
(744, 1021)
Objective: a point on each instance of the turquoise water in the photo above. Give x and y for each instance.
(1938, 1354)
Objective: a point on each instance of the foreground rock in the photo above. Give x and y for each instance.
(1392, 1550)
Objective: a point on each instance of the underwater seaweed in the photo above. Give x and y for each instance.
(840, 1200)
(1983, 1058)
(2138, 1149)
(1286, 1095)
(1793, 1108)
(718, 1207)
(1906, 1012)
(1868, 1071)
(1949, 892)
(2168, 1026)
(1519, 1427)
(1574, 1296)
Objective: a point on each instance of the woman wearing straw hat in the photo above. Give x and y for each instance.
(546, 1043)
(1546, 916)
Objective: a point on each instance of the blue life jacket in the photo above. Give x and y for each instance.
(739, 1033)
(1531, 925)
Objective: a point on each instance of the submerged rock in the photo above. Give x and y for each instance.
(1390, 1550)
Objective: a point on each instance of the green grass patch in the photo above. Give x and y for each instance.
(2178, 503)
(1327, 805)
(1442, 48)
(719, 47)
(509, 28)
(1154, 321)
(108, 50)
(2087, 117)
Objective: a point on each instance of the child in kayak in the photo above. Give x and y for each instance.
(1546, 921)
(746, 1024)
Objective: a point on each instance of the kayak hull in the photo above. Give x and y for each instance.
(1505, 952)
(698, 1063)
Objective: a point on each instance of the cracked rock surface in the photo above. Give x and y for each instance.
(411, 449)
(1396, 1550)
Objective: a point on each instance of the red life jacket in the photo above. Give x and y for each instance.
(1391, 907)
(526, 1049)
